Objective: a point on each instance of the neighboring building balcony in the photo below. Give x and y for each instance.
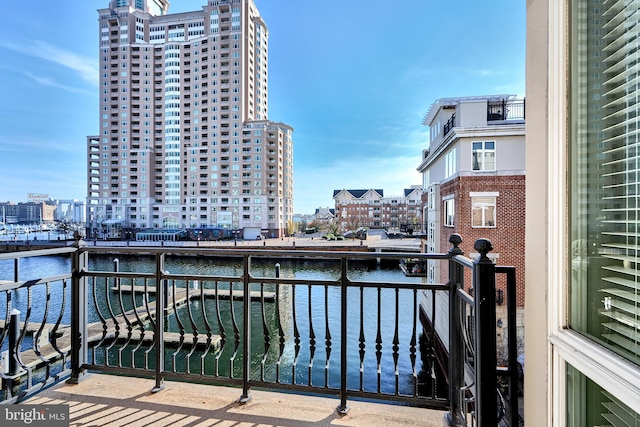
(506, 111)
(210, 316)
(498, 112)
(449, 125)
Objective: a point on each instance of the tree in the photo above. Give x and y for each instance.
(333, 229)
(291, 228)
(353, 222)
(318, 225)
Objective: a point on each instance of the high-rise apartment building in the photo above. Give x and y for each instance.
(185, 140)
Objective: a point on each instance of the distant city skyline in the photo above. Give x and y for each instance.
(353, 82)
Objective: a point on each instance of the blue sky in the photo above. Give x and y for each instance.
(353, 78)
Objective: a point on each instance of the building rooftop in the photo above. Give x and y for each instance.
(358, 193)
(452, 102)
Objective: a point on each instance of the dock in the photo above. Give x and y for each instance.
(224, 294)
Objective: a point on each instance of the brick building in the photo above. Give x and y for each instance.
(474, 178)
(370, 208)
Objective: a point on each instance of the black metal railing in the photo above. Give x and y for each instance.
(480, 393)
(506, 110)
(256, 319)
(450, 124)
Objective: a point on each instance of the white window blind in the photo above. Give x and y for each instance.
(621, 179)
(605, 194)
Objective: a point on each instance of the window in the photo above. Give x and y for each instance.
(450, 166)
(449, 212)
(604, 200)
(483, 211)
(483, 156)
(589, 231)
(610, 409)
(431, 198)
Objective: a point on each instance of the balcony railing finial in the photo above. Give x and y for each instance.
(455, 239)
(483, 246)
(78, 241)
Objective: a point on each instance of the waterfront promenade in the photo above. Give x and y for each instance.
(107, 400)
(376, 239)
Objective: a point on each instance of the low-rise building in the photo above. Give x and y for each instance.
(30, 212)
(321, 217)
(371, 209)
(358, 208)
(405, 211)
(474, 176)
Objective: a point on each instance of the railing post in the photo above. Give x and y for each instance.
(343, 408)
(162, 303)
(79, 318)
(246, 331)
(484, 284)
(14, 339)
(16, 269)
(512, 345)
(455, 417)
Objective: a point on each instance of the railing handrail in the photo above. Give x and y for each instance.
(260, 252)
(37, 253)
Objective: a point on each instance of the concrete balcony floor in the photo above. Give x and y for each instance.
(108, 400)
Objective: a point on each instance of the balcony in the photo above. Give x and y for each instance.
(257, 330)
(506, 111)
(449, 125)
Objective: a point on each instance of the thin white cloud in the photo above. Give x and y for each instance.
(483, 72)
(33, 145)
(47, 81)
(86, 67)
(421, 71)
(398, 140)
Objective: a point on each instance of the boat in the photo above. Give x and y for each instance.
(47, 227)
(412, 267)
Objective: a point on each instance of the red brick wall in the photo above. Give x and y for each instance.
(507, 237)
